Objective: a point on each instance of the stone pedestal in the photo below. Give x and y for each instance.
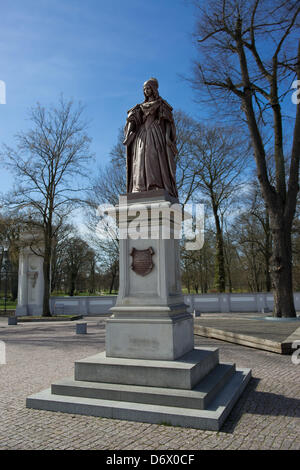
(150, 371)
(150, 319)
(31, 276)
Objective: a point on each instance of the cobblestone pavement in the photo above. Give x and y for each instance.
(265, 417)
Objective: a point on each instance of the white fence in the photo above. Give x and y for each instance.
(253, 302)
(78, 305)
(100, 305)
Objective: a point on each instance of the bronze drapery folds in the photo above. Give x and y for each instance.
(150, 138)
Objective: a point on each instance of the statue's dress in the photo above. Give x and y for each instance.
(150, 161)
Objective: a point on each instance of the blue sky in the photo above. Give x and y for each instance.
(98, 52)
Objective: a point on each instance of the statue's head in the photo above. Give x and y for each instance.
(151, 87)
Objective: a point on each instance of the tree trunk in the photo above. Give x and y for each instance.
(281, 269)
(254, 268)
(112, 282)
(220, 259)
(14, 283)
(268, 282)
(229, 279)
(72, 287)
(281, 261)
(46, 270)
(281, 208)
(268, 252)
(92, 287)
(228, 269)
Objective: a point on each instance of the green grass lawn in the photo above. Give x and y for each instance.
(10, 304)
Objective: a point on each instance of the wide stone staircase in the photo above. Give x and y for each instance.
(193, 391)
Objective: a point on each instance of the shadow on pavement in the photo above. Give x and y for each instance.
(260, 403)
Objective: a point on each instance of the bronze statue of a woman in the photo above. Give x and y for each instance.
(150, 138)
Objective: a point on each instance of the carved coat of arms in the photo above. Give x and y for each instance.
(142, 263)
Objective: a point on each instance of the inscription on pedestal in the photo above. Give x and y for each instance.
(142, 263)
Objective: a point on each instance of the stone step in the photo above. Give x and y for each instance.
(198, 398)
(183, 373)
(211, 418)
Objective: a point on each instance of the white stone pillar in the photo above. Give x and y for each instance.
(31, 277)
(150, 319)
(22, 285)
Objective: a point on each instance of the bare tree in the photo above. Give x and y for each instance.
(250, 53)
(219, 158)
(198, 266)
(251, 244)
(47, 163)
(186, 177)
(64, 232)
(102, 232)
(77, 258)
(10, 229)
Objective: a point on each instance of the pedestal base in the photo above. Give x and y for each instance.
(193, 391)
(164, 339)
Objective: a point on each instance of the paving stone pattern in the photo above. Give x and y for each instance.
(265, 417)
